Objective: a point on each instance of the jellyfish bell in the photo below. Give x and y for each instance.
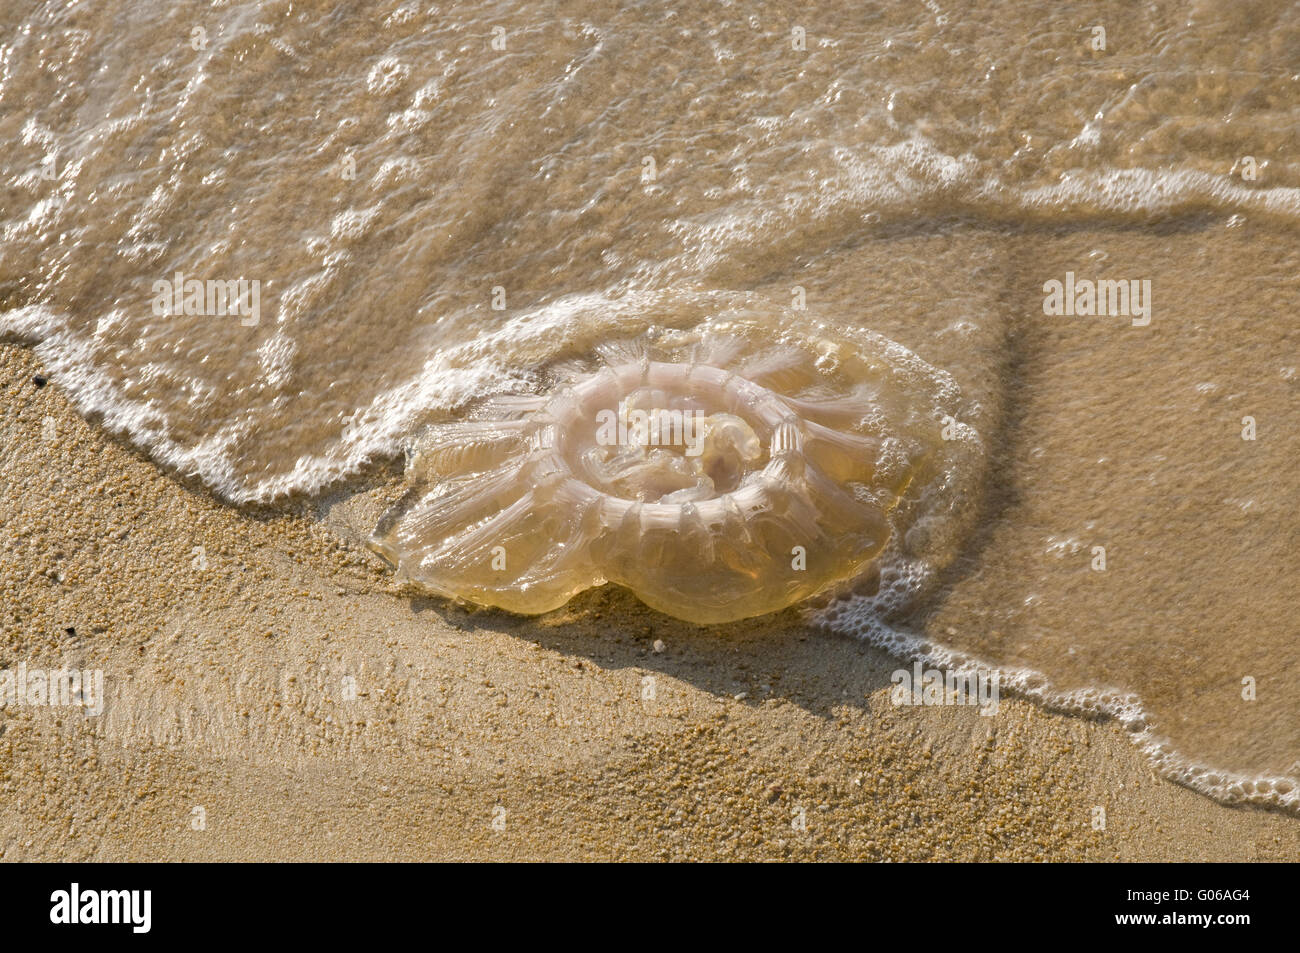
(723, 472)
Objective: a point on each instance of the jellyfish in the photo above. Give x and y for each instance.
(720, 472)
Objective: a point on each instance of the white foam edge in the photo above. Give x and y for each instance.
(1279, 792)
(449, 379)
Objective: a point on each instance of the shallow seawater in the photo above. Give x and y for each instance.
(437, 203)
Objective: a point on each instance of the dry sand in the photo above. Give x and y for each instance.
(475, 734)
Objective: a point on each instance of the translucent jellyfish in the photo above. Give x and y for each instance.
(719, 473)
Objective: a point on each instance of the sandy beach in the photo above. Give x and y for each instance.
(272, 694)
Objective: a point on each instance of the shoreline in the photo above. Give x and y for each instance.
(228, 639)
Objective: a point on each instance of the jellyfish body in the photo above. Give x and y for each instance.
(719, 473)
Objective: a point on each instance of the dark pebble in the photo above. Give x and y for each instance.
(39, 381)
(70, 630)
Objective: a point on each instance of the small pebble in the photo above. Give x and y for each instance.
(659, 645)
(39, 381)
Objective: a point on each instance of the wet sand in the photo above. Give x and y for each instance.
(475, 734)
